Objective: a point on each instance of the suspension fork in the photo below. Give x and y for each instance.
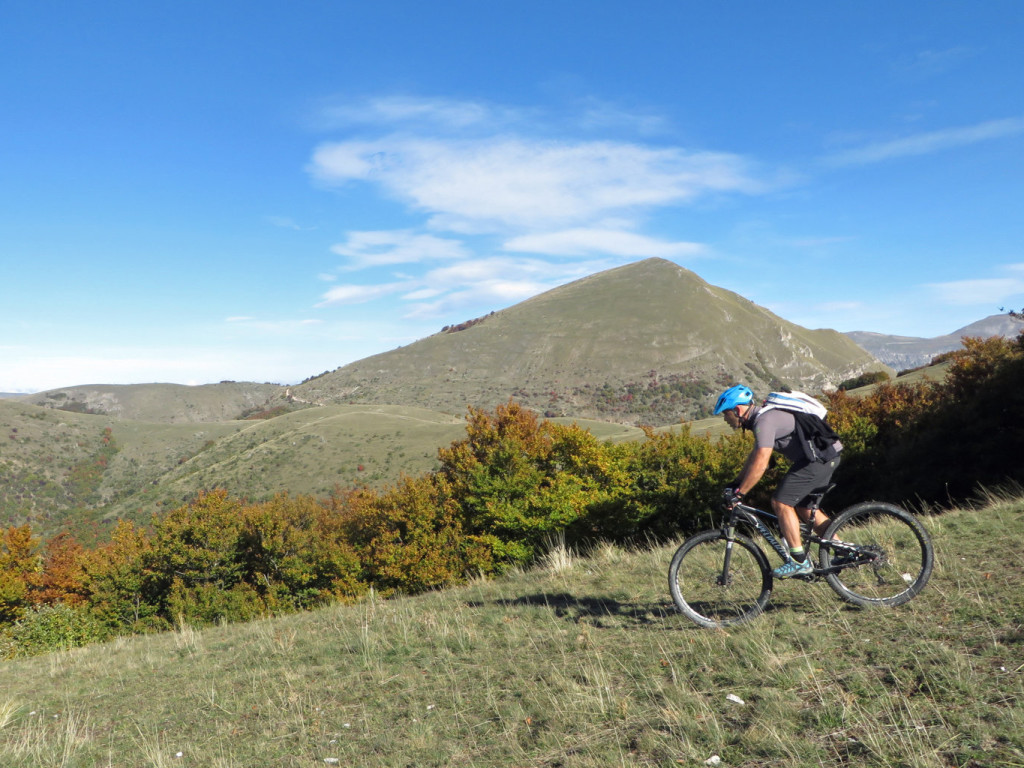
(729, 529)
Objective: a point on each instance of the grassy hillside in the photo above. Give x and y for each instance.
(309, 451)
(55, 464)
(580, 663)
(152, 467)
(648, 343)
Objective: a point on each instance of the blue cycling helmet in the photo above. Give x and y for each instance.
(733, 396)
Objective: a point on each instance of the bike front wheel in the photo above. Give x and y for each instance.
(891, 558)
(716, 582)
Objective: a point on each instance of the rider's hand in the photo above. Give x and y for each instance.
(731, 497)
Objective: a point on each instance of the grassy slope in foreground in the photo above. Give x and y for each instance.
(579, 665)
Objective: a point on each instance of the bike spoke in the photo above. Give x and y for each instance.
(891, 560)
(715, 595)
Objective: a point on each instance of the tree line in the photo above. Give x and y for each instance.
(499, 497)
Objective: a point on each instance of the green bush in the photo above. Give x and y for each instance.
(48, 628)
(208, 603)
(674, 481)
(295, 554)
(871, 377)
(517, 480)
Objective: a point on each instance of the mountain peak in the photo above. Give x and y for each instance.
(648, 342)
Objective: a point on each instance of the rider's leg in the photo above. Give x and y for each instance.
(798, 492)
(789, 523)
(798, 564)
(818, 519)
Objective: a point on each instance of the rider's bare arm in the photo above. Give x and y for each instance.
(754, 469)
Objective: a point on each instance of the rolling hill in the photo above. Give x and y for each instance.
(163, 403)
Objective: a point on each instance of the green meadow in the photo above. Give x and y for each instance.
(580, 661)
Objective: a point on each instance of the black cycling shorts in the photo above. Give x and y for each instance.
(804, 479)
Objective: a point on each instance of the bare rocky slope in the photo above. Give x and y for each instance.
(902, 352)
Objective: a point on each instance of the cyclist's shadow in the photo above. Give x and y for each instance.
(596, 611)
(606, 612)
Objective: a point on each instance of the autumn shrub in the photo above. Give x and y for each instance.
(410, 538)
(193, 556)
(63, 572)
(974, 438)
(116, 581)
(294, 553)
(20, 570)
(937, 442)
(207, 602)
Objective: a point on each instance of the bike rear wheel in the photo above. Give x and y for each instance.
(891, 562)
(714, 591)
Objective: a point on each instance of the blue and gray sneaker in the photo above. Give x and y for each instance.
(793, 568)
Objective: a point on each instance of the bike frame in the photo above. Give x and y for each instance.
(752, 516)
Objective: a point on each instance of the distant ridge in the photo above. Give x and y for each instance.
(903, 352)
(649, 342)
(162, 403)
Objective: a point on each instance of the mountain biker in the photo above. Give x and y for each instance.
(774, 430)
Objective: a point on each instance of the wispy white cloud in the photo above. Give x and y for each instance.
(570, 206)
(531, 183)
(985, 291)
(929, 63)
(928, 143)
(284, 222)
(990, 291)
(360, 294)
(496, 282)
(600, 115)
(434, 113)
(488, 281)
(582, 242)
(379, 248)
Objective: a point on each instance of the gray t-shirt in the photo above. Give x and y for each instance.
(775, 428)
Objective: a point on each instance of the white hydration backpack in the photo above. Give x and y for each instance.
(795, 401)
(816, 437)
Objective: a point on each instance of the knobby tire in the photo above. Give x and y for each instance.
(898, 561)
(695, 579)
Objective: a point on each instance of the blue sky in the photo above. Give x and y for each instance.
(192, 192)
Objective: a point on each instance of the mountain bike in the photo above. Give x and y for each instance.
(871, 554)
